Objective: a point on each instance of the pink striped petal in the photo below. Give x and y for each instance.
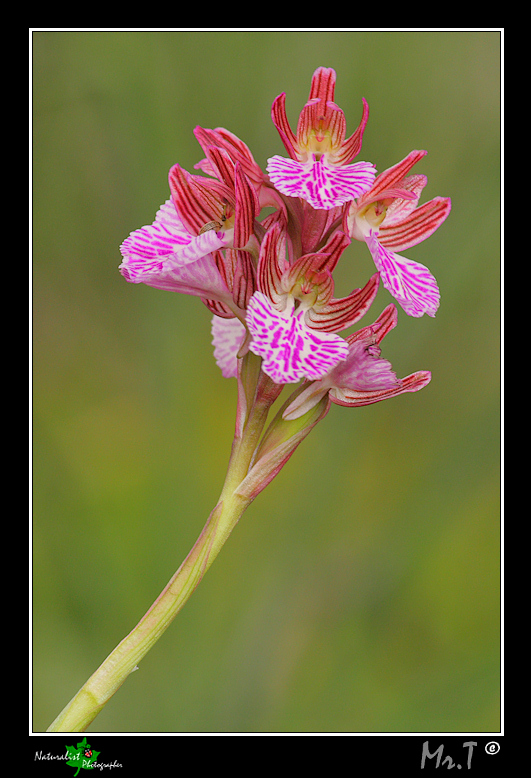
(394, 176)
(199, 246)
(227, 337)
(280, 120)
(376, 332)
(159, 247)
(146, 251)
(410, 283)
(320, 184)
(343, 312)
(290, 349)
(164, 255)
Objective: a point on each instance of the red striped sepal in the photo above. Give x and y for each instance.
(416, 227)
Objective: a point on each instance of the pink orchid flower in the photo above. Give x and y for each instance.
(293, 317)
(363, 377)
(180, 250)
(386, 217)
(318, 169)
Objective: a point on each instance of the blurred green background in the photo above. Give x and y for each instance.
(360, 592)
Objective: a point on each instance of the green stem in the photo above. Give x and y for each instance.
(108, 678)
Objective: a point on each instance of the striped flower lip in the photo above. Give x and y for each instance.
(386, 217)
(290, 349)
(321, 184)
(318, 169)
(410, 283)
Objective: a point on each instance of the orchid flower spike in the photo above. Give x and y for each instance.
(386, 217)
(363, 377)
(318, 169)
(268, 280)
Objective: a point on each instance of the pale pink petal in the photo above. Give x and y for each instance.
(322, 185)
(227, 337)
(410, 283)
(290, 349)
(205, 166)
(200, 278)
(306, 400)
(363, 370)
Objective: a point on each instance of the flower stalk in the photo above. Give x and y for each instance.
(243, 482)
(256, 396)
(111, 674)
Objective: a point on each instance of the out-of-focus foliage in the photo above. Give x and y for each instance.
(360, 592)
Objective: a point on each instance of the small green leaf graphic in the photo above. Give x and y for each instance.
(78, 757)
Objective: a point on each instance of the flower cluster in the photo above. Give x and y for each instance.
(268, 280)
